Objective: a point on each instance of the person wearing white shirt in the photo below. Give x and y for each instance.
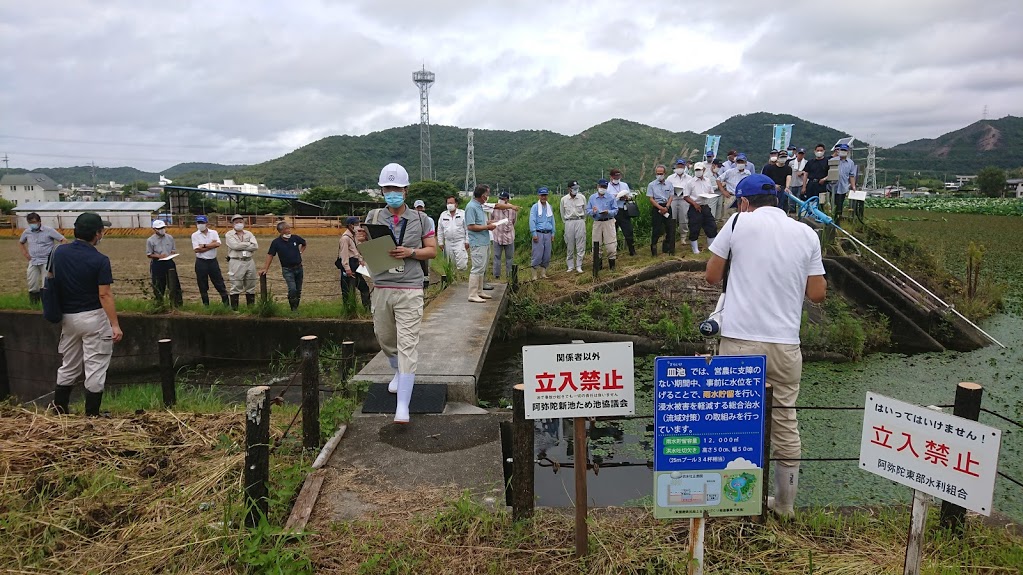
(623, 201)
(573, 214)
(451, 236)
(678, 181)
(700, 191)
(797, 187)
(205, 243)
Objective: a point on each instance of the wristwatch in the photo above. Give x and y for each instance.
(413, 253)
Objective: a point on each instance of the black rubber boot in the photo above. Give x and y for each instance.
(33, 297)
(250, 299)
(61, 398)
(234, 302)
(653, 249)
(293, 302)
(205, 299)
(611, 265)
(225, 300)
(92, 403)
(632, 248)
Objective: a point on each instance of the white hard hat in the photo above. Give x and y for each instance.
(159, 224)
(700, 166)
(393, 175)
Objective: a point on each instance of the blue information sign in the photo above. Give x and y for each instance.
(708, 435)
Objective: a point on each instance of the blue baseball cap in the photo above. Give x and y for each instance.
(755, 185)
(741, 156)
(801, 151)
(200, 219)
(351, 221)
(543, 191)
(680, 162)
(602, 183)
(710, 153)
(843, 147)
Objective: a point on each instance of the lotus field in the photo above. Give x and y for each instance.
(951, 205)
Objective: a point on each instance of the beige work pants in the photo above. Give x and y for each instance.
(86, 341)
(242, 275)
(604, 233)
(784, 369)
(397, 314)
(34, 274)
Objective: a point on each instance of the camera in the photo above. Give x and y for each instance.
(711, 326)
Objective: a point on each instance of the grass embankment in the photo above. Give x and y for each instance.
(148, 490)
(464, 536)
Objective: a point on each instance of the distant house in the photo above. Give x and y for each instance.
(29, 187)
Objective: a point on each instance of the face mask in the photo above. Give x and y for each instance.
(394, 199)
(819, 154)
(573, 190)
(782, 161)
(239, 226)
(774, 158)
(201, 227)
(99, 238)
(843, 154)
(698, 173)
(714, 169)
(680, 171)
(34, 227)
(742, 167)
(451, 207)
(286, 236)
(160, 232)
(615, 180)
(731, 158)
(660, 177)
(602, 191)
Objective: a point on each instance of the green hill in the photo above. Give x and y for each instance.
(83, 175)
(196, 167)
(964, 151)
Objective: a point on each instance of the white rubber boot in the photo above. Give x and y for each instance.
(405, 383)
(534, 273)
(786, 483)
(474, 289)
(393, 386)
(543, 273)
(480, 281)
(696, 246)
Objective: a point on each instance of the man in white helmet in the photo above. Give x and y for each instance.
(160, 246)
(398, 291)
(241, 268)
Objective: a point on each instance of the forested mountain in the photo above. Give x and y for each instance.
(526, 159)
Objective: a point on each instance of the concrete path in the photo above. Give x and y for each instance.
(453, 342)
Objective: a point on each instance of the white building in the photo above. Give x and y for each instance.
(29, 187)
(62, 215)
(230, 186)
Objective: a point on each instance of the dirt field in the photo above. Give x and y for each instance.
(131, 268)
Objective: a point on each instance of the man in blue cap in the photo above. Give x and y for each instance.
(541, 229)
(846, 179)
(774, 262)
(205, 243)
(602, 208)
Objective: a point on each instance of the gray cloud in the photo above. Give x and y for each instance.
(150, 84)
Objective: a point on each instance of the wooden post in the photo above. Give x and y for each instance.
(5, 376)
(915, 543)
(257, 454)
(310, 392)
(596, 258)
(515, 278)
(967, 405)
(170, 396)
(697, 527)
(768, 416)
(173, 287)
(522, 492)
(444, 281)
(581, 528)
(348, 354)
(263, 292)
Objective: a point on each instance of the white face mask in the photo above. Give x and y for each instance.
(699, 173)
(239, 226)
(742, 167)
(451, 207)
(774, 158)
(286, 236)
(160, 232)
(660, 177)
(819, 153)
(201, 227)
(602, 191)
(680, 171)
(843, 154)
(615, 180)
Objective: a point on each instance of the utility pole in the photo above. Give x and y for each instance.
(6, 165)
(470, 166)
(92, 168)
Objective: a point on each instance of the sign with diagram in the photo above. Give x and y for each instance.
(708, 436)
(949, 457)
(578, 380)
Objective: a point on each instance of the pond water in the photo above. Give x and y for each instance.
(926, 379)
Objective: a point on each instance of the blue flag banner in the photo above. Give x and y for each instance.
(712, 145)
(782, 136)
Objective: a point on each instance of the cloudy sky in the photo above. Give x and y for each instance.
(151, 83)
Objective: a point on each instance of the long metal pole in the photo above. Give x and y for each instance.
(826, 220)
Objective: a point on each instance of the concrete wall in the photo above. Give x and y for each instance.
(31, 343)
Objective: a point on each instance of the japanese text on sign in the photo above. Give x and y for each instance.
(708, 435)
(949, 457)
(590, 380)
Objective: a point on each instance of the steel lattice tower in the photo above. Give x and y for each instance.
(870, 174)
(424, 80)
(470, 166)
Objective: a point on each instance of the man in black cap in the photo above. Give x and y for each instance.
(89, 327)
(573, 213)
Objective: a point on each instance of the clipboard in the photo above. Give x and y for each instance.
(375, 254)
(375, 231)
(168, 258)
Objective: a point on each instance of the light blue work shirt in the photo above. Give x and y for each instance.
(539, 221)
(605, 202)
(474, 215)
(731, 178)
(846, 170)
(614, 189)
(659, 191)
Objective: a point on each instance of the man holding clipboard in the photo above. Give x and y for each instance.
(394, 260)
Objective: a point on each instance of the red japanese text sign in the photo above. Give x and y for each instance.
(949, 457)
(578, 380)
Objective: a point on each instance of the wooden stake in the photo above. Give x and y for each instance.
(581, 529)
(263, 293)
(768, 417)
(5, 376)
(310, 392)
(522, 480)
(967, 405)
(915, 542)
(257, 455)
(697, 526)
(167, 372)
